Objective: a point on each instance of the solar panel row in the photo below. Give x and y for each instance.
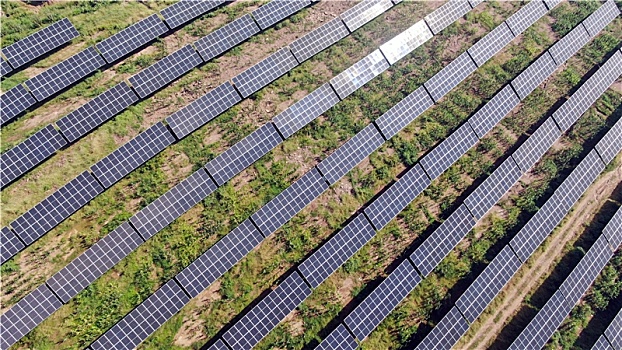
(567, 46)
(526, 16)
(186, 10)
(363, 12)
(339, 339)
(404, 112)
(276, 10)
(226, 37)
(489, 45)
(11, 244)
(14, 102)
(536, 145)
(534, 75)
(445, 15)
(449, 151)
(614, 331)
(318, 39)
(450, 76)
(613, 230)
(406, 42)
(359, 74)
(601, 17)
(264, 72)
(446, 333)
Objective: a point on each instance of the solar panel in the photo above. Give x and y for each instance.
(267, 314)
(550, 4)
(226, 37)
(445, 238)
(489, 192)
(351, 153)
(359, 74)
(64, 74)
(203, 109)
(318, 39)
(14, 102)
(493, 42)
(290, 202)
(171, 205)
(446, 333)
(404, 112)
(382, 300)
(602, 344)
(94, 262)
(97, 111)
(488, 284)
(306, 110)
(450, 76)
(614, 331)
(445, 15)
(5, 67)
(264, 72)
(184, 11)
(384, 208)
(243, 153)
(542, 327)
(339, 339)
(534, 75)
(613, 230)
(219, 345)
(131, 38)
(567, 46)
(406, 42)
(277, 10)
(212, 264)
(56, 208)
(144, 319)
(40, 43)
(526, 16)
(363, 12)
(449, 151)
(528, 154)
(25, 156)
(611, 144)
(11, 245)
(341, 247)
(487, 117)
(133, 154)
(601, 17)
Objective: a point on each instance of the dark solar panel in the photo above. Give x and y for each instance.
(219, 345)
(446, 333)
(40, 43)
(131, 38)
(226, 37)
(212, 264)
(445, 15)
(493, 42)
(567, 46)
(602, 344)
(5, 67)
(11, 245)
(171, 205)
(277, 10)
(492, 112)
(351, 153)
(339, 339)
(382, 300)
(614, 331)
(187, 10)
(359, 74)
(267, 314)
(611, 144)
(56, 208)
(450, 76)
(363, 12)
(64, 74)
(25, 156)
(97, 111)
(406, 42)
(404, 112)
(264, 72)
(301, 113)
(601, 17)
(14, 102)
(288, 203)
(133, 154)
(526, 16)
(445, 238)
(243, 154)
(530, 152)
(613, 230)
(533, 75)
(341, 247)
(449, 151)
(384, 208)
(318, 39)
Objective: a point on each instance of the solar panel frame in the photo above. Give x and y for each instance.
(5, 67)
(359, 74)
(363, 12)
(449, 151)
(11, 245)
(491, 44)
(530, 78)
(14, 102)
(450, 76)
(445, 15)
(614, 331)
(404, 112)
(570, 44)
(611, 144)
(526, 16)
(264, 72)
(602, 344)
(318, 39)
(601, 17)
(446, 333)
(133, 154)
(530, 152)
(406, 42)
(277, 10)
(226, 37)
(185, 11)
(613, 230)
(338, 339)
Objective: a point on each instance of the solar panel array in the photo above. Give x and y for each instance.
(14, 102)
(264, 72)
(489, 45)
(339, 339)
(276, 10)
(11, 244)
(601, 17)
(186, 10)
(613, 230)
(449, 151)
(226, 37)
(534, 75)
(318, 39)
(450, 76)
(359, 74)
(404, 112)
(446, 333)
(445, 15)
(363, 12)
(534, 148)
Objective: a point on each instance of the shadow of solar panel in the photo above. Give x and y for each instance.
(379, 304)
(226, 37)
(384, 208)
(95, 112)
(614, 331)
(446, 333)
(14, 102)
(570, 44)
(94, 262)
(301, 113)
(534, 75)
(363, 12)
(492, 112)
(40, 43)
(493, 188)
(165, 71)
(404, 112)
(530, 152)
(318, 39)
(613, 230)
(264, 72)
(489, 45)
(601, 17)
(11, 245)
(341, 247)
(445, 238)
(445, 15)
(602, 344)
(406, 42)
(144, 319)
(217, 260)
(276, 10)
(22, 317)
(186, 10)
(351, 153)
(131, 38)
(171, 205)
(132, 155)
(488, 284)
(526, 16)
(262, 318)
(290, 202)
(449, 151)
(23, 157)
(359, 74)
(339, 339)
(243, 154)
(219, 345)
(5, 67)
(450, 76)
(56, 208)
(64, 74)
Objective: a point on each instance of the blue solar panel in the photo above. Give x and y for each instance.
(318, 39)
(276, 10)
(5, 67)
(526, 16)
(446, 333)
(602, 344)
(489, 45)
(11, 245)
(339, 339)
(187, 10)
(226, 37)
(404, 112)
(449, 151)
(567, 46)
(14, 102)
(493, 111)
(450, 76)
(601, 17)
(445, 15)
(530, 152)
(614, 331)
(359, 74)
(613, 230)
(534, 75)
(264, 72)
(611, 144)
